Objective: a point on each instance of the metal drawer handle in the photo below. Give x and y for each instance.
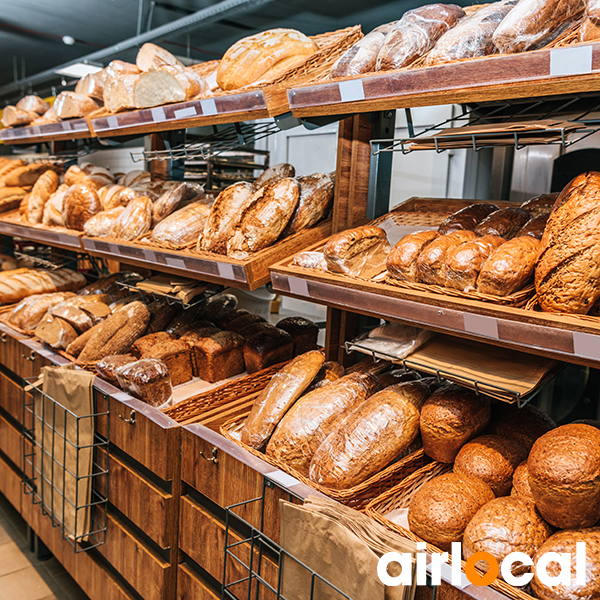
(213, 458)
(3, 337)
(131, 419)
(32, 357)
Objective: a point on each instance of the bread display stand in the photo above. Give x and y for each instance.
(68, 239)
(75, 129)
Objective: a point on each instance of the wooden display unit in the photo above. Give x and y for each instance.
(74, 129)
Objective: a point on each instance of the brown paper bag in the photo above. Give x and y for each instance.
(64, 451)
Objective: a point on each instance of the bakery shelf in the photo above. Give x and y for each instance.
(568, 70)
(249, 273)
(74, 129)
(57, 236)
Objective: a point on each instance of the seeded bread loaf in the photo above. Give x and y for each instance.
(520, 482)
(177, 356)
(145, 343)
(401, 262)
(316, 196)
(272, 174)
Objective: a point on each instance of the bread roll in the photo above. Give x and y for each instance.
(33, 103)
(134, 221)
(276, 399)
(502, 526)
(273, 173)
(183, 227)
(564, 476)
(520, 482)
(165, 85)
(80, 203)
(450, 417)
(493, 459)
(316, 196)
(70, 105)
(370, 437)
(440, 510)
(401, 262)
(150, 56)
(566, 541)
(525, 424)
(504, 223)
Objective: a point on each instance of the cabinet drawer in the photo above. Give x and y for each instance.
(152, 509)
(10, 484)
(151, 576)
(11, 397)
(11, 442)
(150, 437)
(202, 538)
(20, 359)
(191, 587)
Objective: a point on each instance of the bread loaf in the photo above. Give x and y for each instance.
(81, 313)
(91, 85)
(183, 227)
(55, 332)
(534, 227)
(589, 31)
(472, 36)
(567, 275)
(208, 71)
(467, 218)
(16, 286)
(272, 174)
(329, 372)
(225, 214)
(431, 261)
(416, 33)
(134, 221)
(148, 380)
(31, 314)
(316, 196)
(278, 397)
(370, 437)
(452, 416)
(119, 91)
(101, 224)
(165, 85)
(362, 57)
(564, 476)
(116, 195)
(43, 188)
(265, 217)
(440, 510)
(525, 424)
(502, 526)
(27, 174)
(401, 262)
(504, 223)
(263, 56)
(217, 355)
(13, 116)
(168, 202)
(520, 483)
(267, 347)
(107, 367)
(493, 459)
(143, 345)
(80, 203)
(150, 56)
(566, 541)
(70, 105)
(177, 357)
(33, 103)
(540, 205)
(534, 23)
(313, 417)
(53, 209)
(303, 331)
(99, 175)
(359, 252)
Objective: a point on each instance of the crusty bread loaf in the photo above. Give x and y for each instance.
(176, 354)
(28, 316)
(119, 91)
(134, 221)
(48, 117)
(329, 372)
(566, 541)
(13, 116)
(71, 105)
(33, 103)
(43, 188)
(217, 354)
(273, 173)
(493, 459)
(534, 227)
(502, 526)
(316, 196)
(53, 209)
(91, 85)
(102, 223)
(303, 331)
(504, 222)
(143, 345)
(80, 203)
(525, 424)
(589, 31)
(18, 285)
(370, 437)
(165, 85)
(182, 227)
(440, 510)
(452, 416)
(261, 57)
(208, 71)
(401, 262)
(27, 174)
(564, 475)
(267, 347)
(150, 56)
(168, 202)
(276, 399)
(520, 482)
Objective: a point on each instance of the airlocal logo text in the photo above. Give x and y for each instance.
(439, 562)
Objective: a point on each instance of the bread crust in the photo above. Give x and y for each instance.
(401, 262)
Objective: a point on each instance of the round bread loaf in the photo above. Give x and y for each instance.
(493, 459)
(565, 541)
(525, 424)
(502, 526)
(442, 508)
(520, 482)
(564, 475)
(450, 417)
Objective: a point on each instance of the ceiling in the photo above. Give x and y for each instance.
(31, 31)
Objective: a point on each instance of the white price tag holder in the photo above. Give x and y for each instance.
(122, 397)
(158, 114)
(182, 113)
(225, 270)
(298, 286)
(209, 107)
(282, 479)
(481, 325)
(178, 263)
(149, 255)
(112, 122)
(79, 126)
(571, 61)
(351, 90)
(586, 345)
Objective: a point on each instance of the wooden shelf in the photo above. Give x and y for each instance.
(573, 69)
(60, 238)
(75, 129)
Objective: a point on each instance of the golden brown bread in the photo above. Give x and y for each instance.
(310, 420)
(135, 220)
(564, 476)
(275, 400)
(502, 526)
(18, 285)
(493, 459)
(151, 56)
(504, 223)
(27, 174)
(566, 541)
(440, 510)
(165, 85)
(431, 261)
(43, 188)
(33, 103)
(520, 482)
(71, 105)
(102, 223)
(91, 85)
(80, 203)
(450, 417)
(273, 173)
(55, 332)
(589, 31)
(370, 437)
(14, 117)
(316, 196)
(401, 262)
(525, 424)
(330, 371)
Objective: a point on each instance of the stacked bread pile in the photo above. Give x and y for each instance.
(440, 33)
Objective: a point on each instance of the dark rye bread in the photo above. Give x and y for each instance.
(502, 526)
(564, 475)
(493, 459)
(304, 332)
(441, 509)
(467, 218)
(107, 367)
(525, 424)
(266, 348)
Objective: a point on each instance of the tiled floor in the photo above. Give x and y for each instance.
(22, 575)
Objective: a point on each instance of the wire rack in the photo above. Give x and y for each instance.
(508, 114)
(47, 257)
(61, 466)
(170, 298)
(236, 136)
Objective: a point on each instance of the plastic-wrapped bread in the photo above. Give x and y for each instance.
(463, 263)
(275, 400)
(107, 367)
(590, 28)
(165, 85)
(33, 104)
(116, 195)
(225, 214)
(183, 227)
(100, 176)
(13, 116)
(101, 224)
(147, 379)
(310, 260)
(359, 252)
(134, 178)
(53, 209)
(75, 175)
(273, 173)
(313, 417)
(472, 36)
(134, 221)
(150, 56)
(369, 438)
(362, 57)
(467, 218)
(431, 261)
(168, 202)
(504, 223)
(43, 188)
(534, 23)
(510, 267)
(401, 262)
(80, 203)
(70, 105)
(91, 85)
(31, 313)
(265, 217)
(416, 33)
(316, 196)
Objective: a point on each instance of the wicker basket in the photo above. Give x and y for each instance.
(399, 497)
(357, 497)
